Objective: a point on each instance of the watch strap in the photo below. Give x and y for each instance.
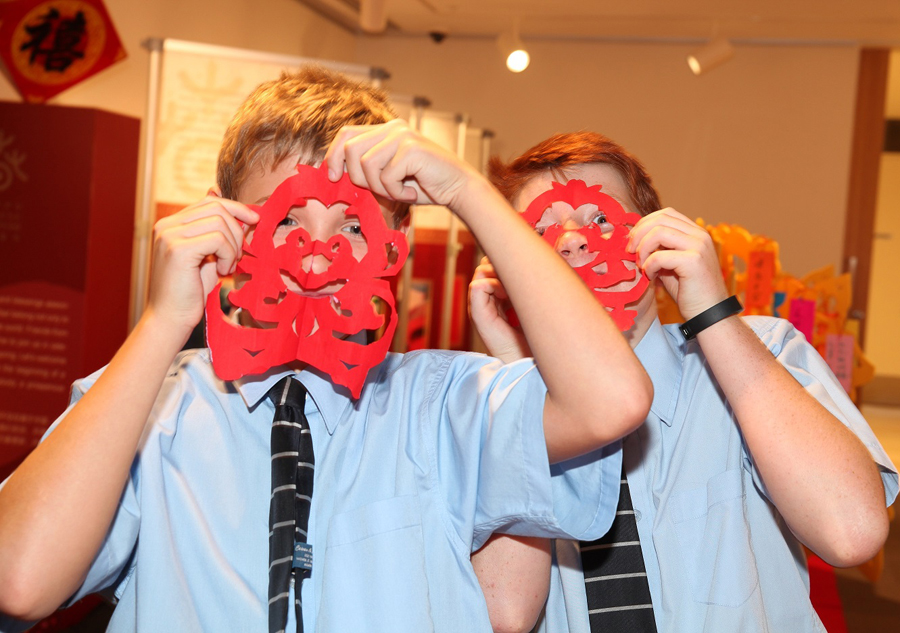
(722, 310)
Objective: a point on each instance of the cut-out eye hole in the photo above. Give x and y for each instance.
(605, 226)
(287, 221)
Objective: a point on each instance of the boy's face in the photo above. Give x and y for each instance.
(311, 284)
(589, 228)
(321, 222)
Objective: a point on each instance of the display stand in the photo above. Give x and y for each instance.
(67, 190)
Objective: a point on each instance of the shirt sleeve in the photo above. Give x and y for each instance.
(808, 367)
(492, 459)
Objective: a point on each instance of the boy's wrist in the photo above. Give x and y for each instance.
(707, 318)
(170, 336)
(472, 195)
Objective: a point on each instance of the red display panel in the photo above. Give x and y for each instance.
(67, 190)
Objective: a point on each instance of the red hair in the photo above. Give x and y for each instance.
(568, 150)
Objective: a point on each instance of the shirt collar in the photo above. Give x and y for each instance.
(326, 398)
(662, 356)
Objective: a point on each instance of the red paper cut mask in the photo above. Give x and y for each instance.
(300, 315)
(607, 246)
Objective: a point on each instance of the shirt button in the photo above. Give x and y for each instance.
(637, 515)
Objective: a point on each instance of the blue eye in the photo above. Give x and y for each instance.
(288, 221)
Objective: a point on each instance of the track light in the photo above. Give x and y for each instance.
(517, 58)
(373, 15)
(716, 52)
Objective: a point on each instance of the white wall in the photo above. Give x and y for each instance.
(763, 141)
(882, 335)
(280, 26)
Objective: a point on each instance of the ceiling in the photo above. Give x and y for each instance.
(864, 22)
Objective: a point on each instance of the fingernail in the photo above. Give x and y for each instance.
(331, 174)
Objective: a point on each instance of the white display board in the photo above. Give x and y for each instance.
(200, 90)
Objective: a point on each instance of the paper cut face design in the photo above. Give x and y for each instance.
(605, 242)
(306, 297)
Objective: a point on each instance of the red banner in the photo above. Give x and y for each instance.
(51, 45)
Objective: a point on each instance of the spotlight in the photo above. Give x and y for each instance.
(373, 15)
(517, 58)
(716, 52)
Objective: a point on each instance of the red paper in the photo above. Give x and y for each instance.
(313, 329)
(51, 45)
(839, 356)
(609, 247)
(760, 274)
(803, 316)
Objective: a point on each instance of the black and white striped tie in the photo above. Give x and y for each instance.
(293, 466)
(615, 578)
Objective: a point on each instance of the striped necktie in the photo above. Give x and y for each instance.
(618, 594)
(293, 464)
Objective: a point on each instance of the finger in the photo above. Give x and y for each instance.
(664, 237)
(665, 217)
(208, 225)
(184, 251)
(693, 294)
(233, 212)
(225, 255)
(240, 220)
(239, 211)
(373, 163)
(398, 176)
(354, 150)
(484, 271)
(335, 157)
(674, 261)
(491, 287)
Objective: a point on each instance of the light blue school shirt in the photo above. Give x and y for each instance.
(440, 450)
(719, 557)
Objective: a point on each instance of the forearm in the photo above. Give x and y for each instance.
(514, 574)
(817, 472)
(58, 505)
(580, 353)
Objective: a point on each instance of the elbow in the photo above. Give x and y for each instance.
(515, 618)
(858, 541)
(21, 597)
(633, 408)
(642, 402)
(23, 592)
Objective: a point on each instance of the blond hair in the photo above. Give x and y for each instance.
(299, 113)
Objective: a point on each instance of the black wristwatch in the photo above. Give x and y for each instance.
(711, 316)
